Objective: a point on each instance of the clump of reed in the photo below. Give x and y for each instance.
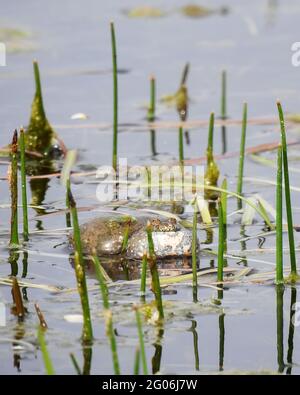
(293, 277)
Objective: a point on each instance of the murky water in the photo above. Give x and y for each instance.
(71, 40)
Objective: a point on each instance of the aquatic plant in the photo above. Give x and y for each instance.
(212, 171)
(239, 189)
(279, 251)
(87, 334)
(75, 364)
(293, 275)
(154, 273)
(107, 314)
(144, 275)
(115, 96)
(43, 323)
(44, 350)
(151, 108)
(220, 242)
(141, 340)
(194, 252)
(19, 309)
(40, 136)
(13, 182)
(224, 212)
(137, 356)
(23, 185)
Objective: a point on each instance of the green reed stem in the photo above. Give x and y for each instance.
(185, 74)
(14, 237)
(68, 216)
(144, 274)
(75, 364)
(224, 96)
(242, 154)
(87, 334)
(44, 350)
(194, 253)
(224, 211)
(108, 314)
(136, 369)
(24, 186)
(210, 140)
(287, 195)
(220, 242)
(115, 96)
(180, 145)
(279, 252)
(141, 339)
(38, 86)
(151, 109)
(154, 273)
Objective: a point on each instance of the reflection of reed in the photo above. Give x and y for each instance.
(279, 318)
(291, 331)
(193, 329)
(156, 359)
(221, 341)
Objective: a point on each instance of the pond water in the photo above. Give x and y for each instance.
(252, 330)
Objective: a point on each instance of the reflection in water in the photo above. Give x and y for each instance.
(13, 260)
(187, 137)
(271, 12)
(291, 331)
(153, 142)
(193, 329)
(39, 186)
(24, 273)
(221, 341)
(156, 359)
(279, 320)
(224, 139)
(243, 244)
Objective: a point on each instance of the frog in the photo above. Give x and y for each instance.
(104, 236)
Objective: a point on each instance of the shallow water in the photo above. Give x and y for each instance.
(72, 45)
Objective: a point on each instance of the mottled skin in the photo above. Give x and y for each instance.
(104, 236)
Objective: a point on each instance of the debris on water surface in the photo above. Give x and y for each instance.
(79, 115)
(196, 11)
(145, 12)
(16, 40)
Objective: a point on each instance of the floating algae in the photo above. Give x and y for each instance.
(39, 135)
(145, 12)
(16, 40)
(196, 11)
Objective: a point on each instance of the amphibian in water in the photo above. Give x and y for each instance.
(105, 235)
